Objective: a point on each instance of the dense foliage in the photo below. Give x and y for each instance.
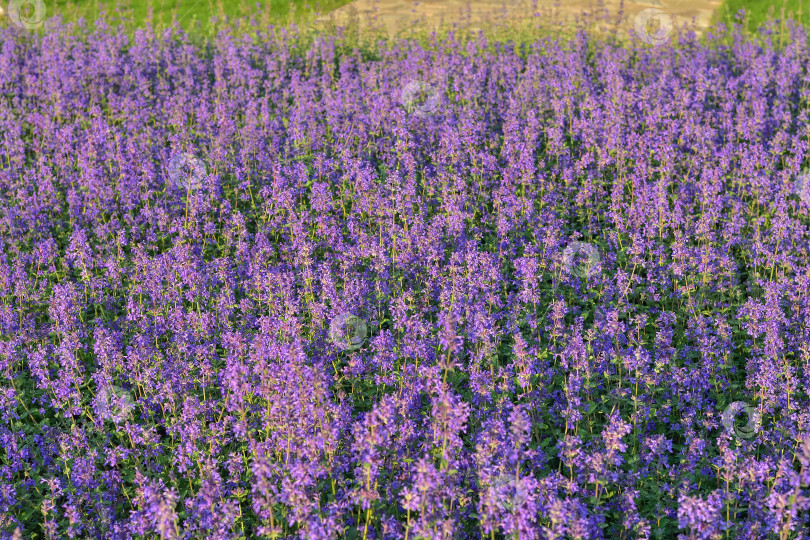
(264, 287)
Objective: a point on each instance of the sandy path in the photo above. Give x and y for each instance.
(651, 21)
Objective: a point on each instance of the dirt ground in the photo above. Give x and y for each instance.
(652, 21)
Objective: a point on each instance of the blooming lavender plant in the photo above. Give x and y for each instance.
(475, 387)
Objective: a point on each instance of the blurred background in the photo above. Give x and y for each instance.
(393, 17)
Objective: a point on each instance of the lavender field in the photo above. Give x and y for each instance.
(263, 286)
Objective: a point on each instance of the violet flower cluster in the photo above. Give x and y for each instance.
(248, 291)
